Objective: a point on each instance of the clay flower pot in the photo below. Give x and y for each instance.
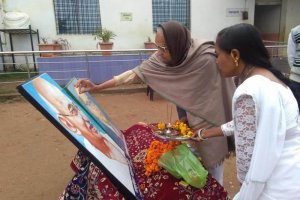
(149, 45)
(106, 46)
(49, 47)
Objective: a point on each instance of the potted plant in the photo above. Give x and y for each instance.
(63, 42)
(104, 35)
(46, 46)
(149, 44)
(57, 44)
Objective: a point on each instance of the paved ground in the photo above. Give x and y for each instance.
(35, 156)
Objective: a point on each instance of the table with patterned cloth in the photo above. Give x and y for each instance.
(90, 182)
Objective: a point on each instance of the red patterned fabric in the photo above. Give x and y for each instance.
(160, 185)
(89, 182)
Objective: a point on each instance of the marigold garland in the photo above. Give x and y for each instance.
(154, 152)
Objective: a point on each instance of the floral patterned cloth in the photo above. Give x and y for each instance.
(90, 183)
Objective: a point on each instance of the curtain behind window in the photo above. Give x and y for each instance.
(165, 10)
(77, 16)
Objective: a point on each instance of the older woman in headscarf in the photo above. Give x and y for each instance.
(183, 70)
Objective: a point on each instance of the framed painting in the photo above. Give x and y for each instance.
(68, 116)
(97, 112)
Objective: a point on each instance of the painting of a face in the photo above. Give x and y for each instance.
(79, 127)
(97, 112)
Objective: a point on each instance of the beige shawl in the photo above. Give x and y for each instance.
(197, 86)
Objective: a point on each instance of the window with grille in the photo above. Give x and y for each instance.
(165, 10)
(77, 16)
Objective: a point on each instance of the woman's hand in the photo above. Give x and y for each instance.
(199, 135)
(203, 133)
(195, 137)
(85, 85)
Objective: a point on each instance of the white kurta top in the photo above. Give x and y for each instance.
(267, 137)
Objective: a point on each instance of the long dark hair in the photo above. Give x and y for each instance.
(247, 39)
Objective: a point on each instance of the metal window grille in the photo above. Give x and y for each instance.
(165, 10)
(77, 16)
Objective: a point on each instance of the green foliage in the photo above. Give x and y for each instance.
(14, 79)
(104, 35)
(17, 76)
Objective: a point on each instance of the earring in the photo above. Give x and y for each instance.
(236, 61)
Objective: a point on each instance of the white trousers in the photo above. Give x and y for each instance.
(217, 172)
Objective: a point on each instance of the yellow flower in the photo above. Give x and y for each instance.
(161, 125)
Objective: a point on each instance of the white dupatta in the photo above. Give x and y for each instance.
(270, 134)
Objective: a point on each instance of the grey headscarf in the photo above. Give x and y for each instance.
(178, 40)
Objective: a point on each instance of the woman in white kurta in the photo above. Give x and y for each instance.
(265, 118)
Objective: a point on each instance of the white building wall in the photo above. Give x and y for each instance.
(210, 16)
(1, 27)
(207, 18)
(1, 14)
(43, 18)
(130, 34)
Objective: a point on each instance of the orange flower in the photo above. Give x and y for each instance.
(154, 152)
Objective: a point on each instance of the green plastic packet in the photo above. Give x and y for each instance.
(168, 162)
(182, 163)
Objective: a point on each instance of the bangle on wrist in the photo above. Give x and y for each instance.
(200, 134)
